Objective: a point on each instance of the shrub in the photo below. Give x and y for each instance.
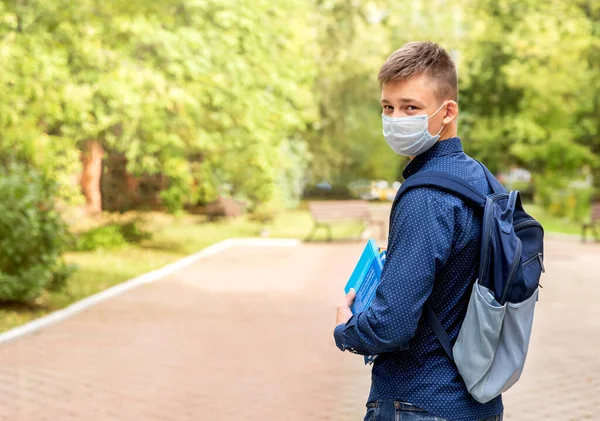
(106, 237)
(564, 198)
(111, 236)
(33, 235)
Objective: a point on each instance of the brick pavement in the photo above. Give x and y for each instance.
(561, 379)
(246, 335)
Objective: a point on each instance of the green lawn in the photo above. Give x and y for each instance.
(177, 237)
(553, 224)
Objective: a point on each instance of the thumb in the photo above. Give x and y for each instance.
(350, 297)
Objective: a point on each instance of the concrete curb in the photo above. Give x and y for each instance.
(60, 315)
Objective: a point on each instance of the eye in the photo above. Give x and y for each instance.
(388, 108)
(411, 108)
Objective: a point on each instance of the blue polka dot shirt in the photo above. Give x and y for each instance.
(433, 254)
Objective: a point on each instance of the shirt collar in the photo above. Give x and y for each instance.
(442, 148)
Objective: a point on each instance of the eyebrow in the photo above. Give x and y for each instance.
(402, 100)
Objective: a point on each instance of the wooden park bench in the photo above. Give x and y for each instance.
(595, 218)
(325, 213)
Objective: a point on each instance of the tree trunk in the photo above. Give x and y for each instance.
(91, 157)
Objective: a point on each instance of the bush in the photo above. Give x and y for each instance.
(564, 198)
(107, 237)
(111, 236)
(33, 236)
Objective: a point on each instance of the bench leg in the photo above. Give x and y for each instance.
(314, 231)
(584, 228)
(310, 236)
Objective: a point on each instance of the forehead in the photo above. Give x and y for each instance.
(419, 87)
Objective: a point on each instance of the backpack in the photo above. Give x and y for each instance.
(493, 341)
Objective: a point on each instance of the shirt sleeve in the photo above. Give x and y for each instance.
(420, 243)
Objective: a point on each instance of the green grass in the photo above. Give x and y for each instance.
(177, 237)
(553, 224)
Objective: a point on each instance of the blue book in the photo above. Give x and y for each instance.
(365, 277)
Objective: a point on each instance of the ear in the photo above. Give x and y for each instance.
(451, 112)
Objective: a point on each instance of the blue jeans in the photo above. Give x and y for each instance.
(390, 410)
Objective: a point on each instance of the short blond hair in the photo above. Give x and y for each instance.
(427, 58)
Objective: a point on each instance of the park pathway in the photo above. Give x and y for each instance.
(246, 335)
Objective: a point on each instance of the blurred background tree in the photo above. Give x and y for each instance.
(169, 105)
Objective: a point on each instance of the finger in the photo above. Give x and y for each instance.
(350, 297)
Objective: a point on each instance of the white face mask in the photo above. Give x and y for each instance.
(409, 136)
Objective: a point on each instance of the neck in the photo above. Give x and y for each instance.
(448, 132)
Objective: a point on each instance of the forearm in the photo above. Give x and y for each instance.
(360, 337)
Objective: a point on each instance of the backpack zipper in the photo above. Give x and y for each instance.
(530, 261)
(533, 258)
(511, 275)
(540, 256)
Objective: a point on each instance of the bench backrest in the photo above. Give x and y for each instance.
(596, 211)
(346, 209)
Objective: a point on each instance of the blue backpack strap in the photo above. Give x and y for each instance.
(457, 187)
(446, 182)
(439, 330)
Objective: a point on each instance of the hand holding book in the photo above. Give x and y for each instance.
(365, 277)
(364, 280)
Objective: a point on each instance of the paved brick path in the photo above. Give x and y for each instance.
(246, 335)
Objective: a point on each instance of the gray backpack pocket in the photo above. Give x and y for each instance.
(492, 345)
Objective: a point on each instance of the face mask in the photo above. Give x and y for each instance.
(409, 136)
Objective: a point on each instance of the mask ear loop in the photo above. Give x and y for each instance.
(438, 110)
(441, 128)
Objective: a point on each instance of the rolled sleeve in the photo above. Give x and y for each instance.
(338, 334)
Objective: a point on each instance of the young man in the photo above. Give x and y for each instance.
(432, 253)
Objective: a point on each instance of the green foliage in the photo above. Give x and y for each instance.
(564, 198)
(525, 76)
(346, 141)
(187, 89)
(33, 235)
(295, 156)
(251, 99)
(112, 236)
(32, 82)
(106, 238)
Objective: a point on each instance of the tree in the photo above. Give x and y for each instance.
(346, 142)
(525, 77)
(205, 93)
